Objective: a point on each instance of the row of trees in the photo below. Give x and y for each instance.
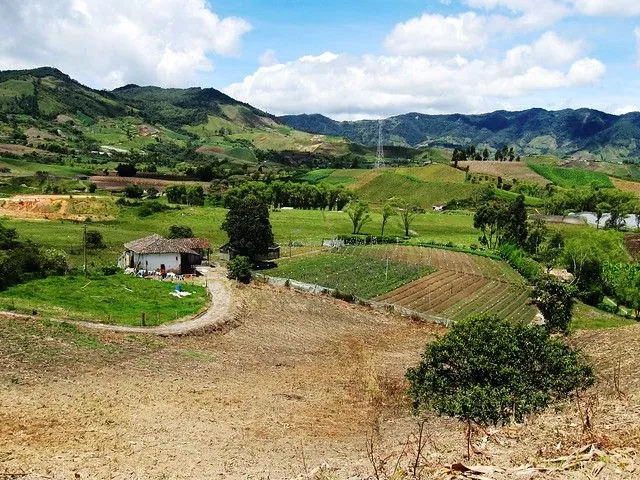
(471, 152)
(359, 214)
(298, 195)
(185, 195)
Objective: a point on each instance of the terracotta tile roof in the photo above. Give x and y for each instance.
(158, 244)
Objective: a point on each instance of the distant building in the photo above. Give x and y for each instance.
(438, 208)
(156, 253)
(227, 253)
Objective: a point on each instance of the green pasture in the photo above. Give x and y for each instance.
(117, 299)
(24, 168)
(362, 276)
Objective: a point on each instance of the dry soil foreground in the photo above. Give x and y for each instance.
(300, 381)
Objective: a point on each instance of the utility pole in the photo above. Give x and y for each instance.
(84, 248)
(380, 151)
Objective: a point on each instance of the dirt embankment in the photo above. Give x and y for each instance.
(58, 207)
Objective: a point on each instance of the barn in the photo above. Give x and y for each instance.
(156, 253)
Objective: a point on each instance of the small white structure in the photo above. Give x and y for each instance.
(438, 208)
(156, 253)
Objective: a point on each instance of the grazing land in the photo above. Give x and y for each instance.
(117, 299)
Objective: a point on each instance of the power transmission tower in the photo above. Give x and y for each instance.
(380, 152)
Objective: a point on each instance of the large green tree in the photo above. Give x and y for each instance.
(555, 299)
(358, 212)
(490, 371)
(248, 226)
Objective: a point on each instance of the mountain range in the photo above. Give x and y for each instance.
(45, 108)
(583, 133)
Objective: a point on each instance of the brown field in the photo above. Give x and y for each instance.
(506, 170)
(113, 182)
(626, 185)
(301, 381)
(58, 207)
(18, 149)
(633, 245)
(462, 285)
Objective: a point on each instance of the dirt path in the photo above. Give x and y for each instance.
(214, 316)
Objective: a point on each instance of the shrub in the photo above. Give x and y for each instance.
(92, 188)
(54, 262)
(149, 208)
(94, 240)
(133, 191)
(555, 299)
(109, 270)
(180, 231)
(487, 371)
(239, 268)
(521, 261)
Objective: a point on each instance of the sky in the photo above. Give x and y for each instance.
(346, 59)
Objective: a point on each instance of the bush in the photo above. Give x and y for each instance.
(149, 208)
(54, 262)
(109, 270)
(133, 191)
(239, 268)
(555, 300)
(92, 188)
(521, 261)
(180, 231)
(487, 371)
(94, 240)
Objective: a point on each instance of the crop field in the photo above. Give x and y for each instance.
(349, 272)
(507, 170)
(117, 299)
(626, 186)
(571, 177)
(462, 285)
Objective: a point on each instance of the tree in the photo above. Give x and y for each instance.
(176, 194)
(516, 228)
(358, 212)
(551, 249)
(92, 188)
(601, 209)
(133, 191)
(126, 170)
(195, 195)
(180, 231)
(485, 154)
(387, 212)
(623, 281)
(247, 224)
(490, 371)
(491, 219)
(407, 212)
(239, 268)
(555, 300)
(94, 240)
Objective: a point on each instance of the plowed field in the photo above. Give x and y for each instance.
(463, 285)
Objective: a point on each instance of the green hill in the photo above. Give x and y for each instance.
(584, 134)
(45, 109)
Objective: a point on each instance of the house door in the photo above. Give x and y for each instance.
(185, 266)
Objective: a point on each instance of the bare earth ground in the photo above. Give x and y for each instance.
(298, 382)
(55, 207)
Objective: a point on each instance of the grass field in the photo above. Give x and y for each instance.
(302, 227)
(586, 317)
(349, 272)
(25, 168)
(571, 177)
(117, 299)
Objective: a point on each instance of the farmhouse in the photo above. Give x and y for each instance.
(153, 253)
(227, 253)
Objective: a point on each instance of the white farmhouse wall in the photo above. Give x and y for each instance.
(152, 261)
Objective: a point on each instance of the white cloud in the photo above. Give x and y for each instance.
(437, 34)
(548, 50)
(608, 7)
(525, 14)
(108, 43)
(268, 58)
(626, 109)
(347, 86)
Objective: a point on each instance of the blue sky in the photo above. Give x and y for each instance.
(346, 59)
